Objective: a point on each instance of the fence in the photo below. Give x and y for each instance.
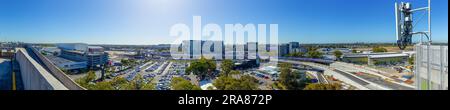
(431, 67)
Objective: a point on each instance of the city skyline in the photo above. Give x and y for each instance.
(141, 22)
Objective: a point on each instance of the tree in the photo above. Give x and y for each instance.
(128, 62)
(118, 83)
(223, 82)
(86, 80)
(202, 68)
(148, 86)
(234, 72)
(411, 60)
(226, 66)
(291, 80)
(82, 82)
(245, 82)
(179, 83)
(91, 76)
(338, 54)
(136, 83)
(334, 86)
(314, 54)
(104, 85)
(296, 54)
(379, 49)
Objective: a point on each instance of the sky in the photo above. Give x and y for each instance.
(146, 22)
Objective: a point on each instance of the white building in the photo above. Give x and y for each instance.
(66, 64)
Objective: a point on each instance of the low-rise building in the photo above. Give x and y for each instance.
(376, 58)
(66, 64)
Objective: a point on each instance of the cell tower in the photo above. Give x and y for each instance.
(404, 23)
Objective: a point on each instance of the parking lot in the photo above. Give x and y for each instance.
(265, 80)
(174, 69)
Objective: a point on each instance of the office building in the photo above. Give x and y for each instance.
(294, 47)
(194, 49)
(283, 49)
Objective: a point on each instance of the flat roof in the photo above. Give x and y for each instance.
(94, 47)
(389, 55)
(59, 60)
(74, 51)
(372, 55)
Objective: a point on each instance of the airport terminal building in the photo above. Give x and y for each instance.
(94, 56)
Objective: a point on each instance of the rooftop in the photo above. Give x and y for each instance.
(59, 60)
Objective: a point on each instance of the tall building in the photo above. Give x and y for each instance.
(294, 47)
(93, 55)
(291, 47)
(283, 50)
(251, 50)
(194, 49)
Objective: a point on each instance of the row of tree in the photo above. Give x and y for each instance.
(203, 68)
(291, 80)
(179, 83)
(309, 54)
(238, 82)
(379, 49)
(317, 86)
(230, 79)
(117, 83)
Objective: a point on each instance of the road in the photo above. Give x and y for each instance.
(372, 75)
(322, 78)
(345, 77)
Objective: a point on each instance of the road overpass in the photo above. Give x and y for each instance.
(343, 72)
(347, 77)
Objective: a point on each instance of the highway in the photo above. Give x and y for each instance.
(368, 80)
(368, 74)
(355, 81)
(322, 78)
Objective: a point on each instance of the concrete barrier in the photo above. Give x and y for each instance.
(58, 73)
(34, 76)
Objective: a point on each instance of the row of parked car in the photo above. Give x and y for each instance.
(153, 67)
(164, 82)
(121, 73)
(260, 75)
(175, 70)
(136, 71)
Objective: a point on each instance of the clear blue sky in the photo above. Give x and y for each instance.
(149, 21)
